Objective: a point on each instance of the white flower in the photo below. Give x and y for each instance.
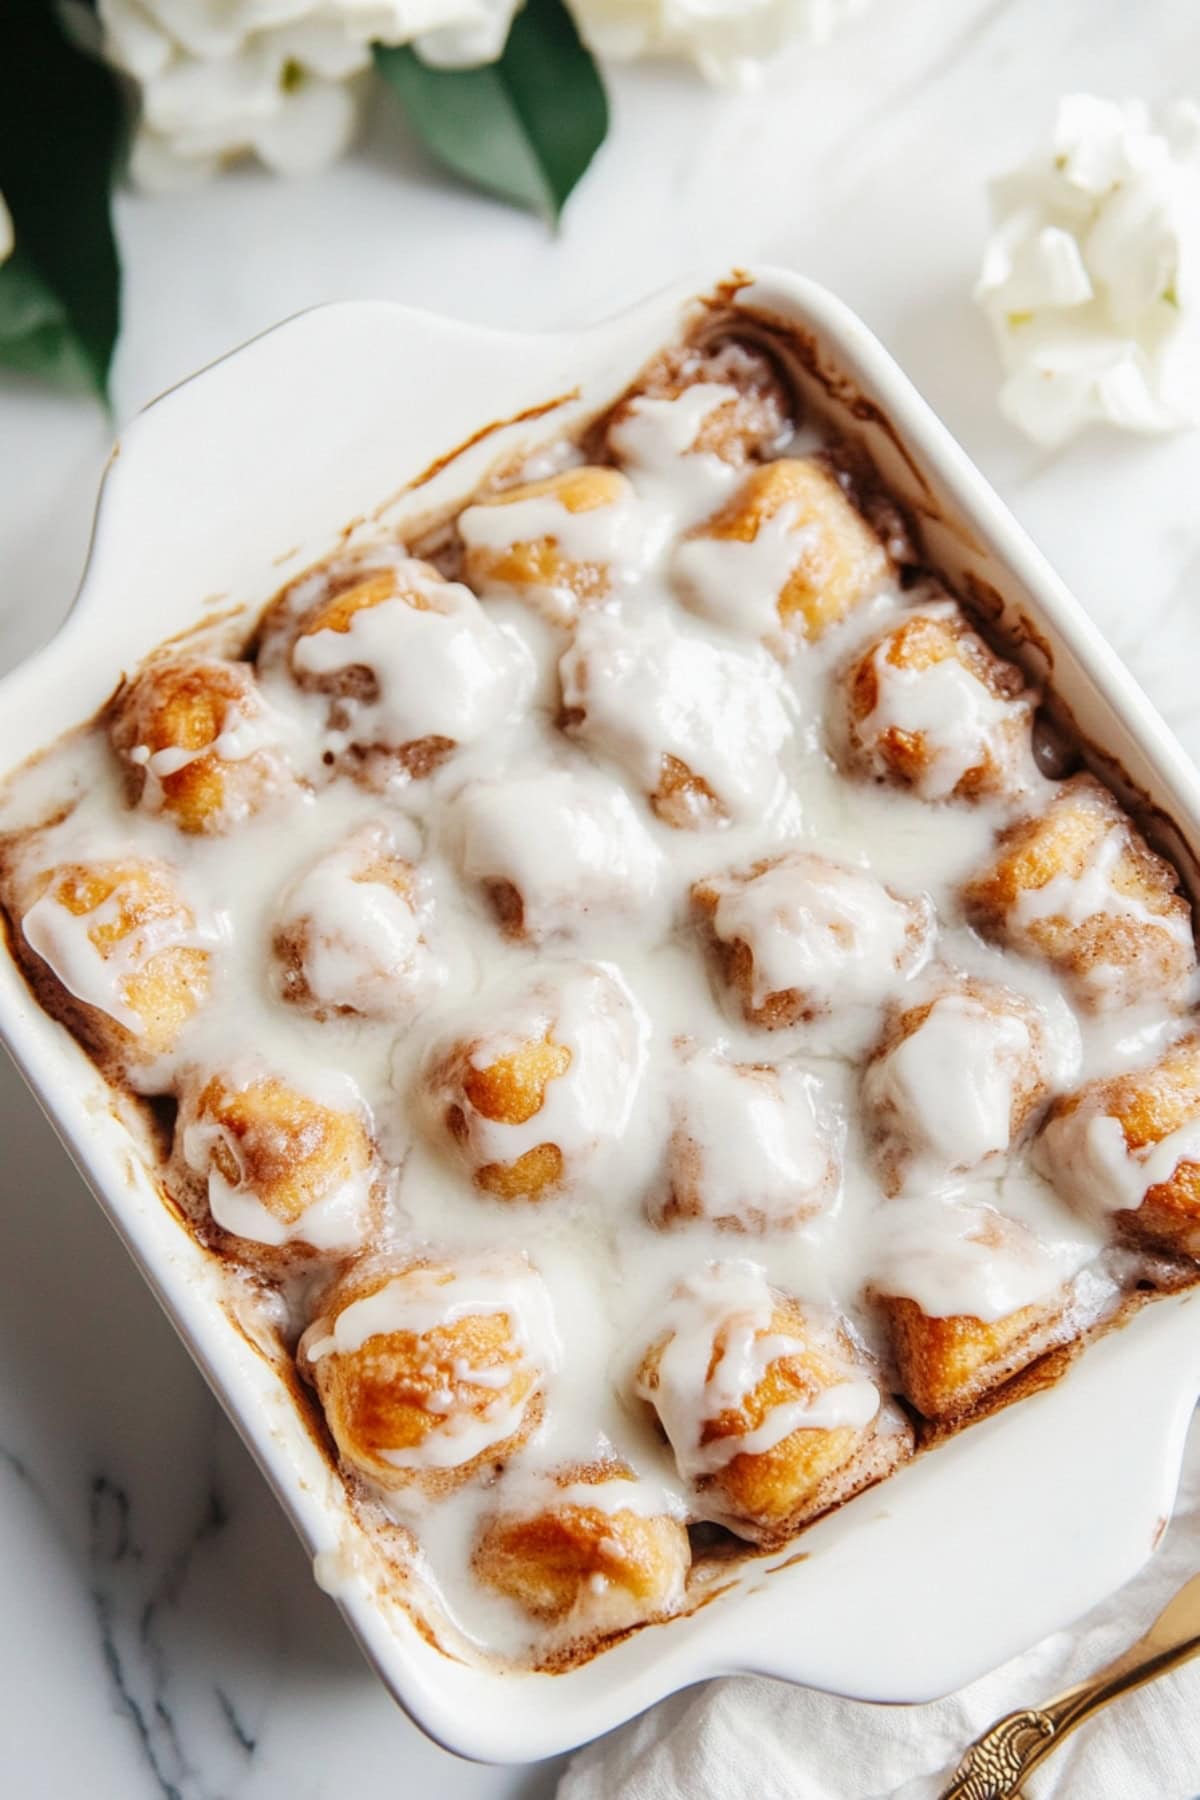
(726, 39)
(6, 231)
(221, 79)
(1091, 278)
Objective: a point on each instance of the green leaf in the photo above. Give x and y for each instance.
(62, 127)
(525, 127)
(35, 334)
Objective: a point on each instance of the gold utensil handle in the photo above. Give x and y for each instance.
(1008, 1752)
(998, 1762)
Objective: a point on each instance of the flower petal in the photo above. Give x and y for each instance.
(1091, 277)
(312, 127)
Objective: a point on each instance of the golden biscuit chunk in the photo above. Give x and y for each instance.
(345, 595)
(584, 1566)
(930, 707)
(360, 590)
(509, 1089)
(530, 1103)
(1130, 1145)
(848, 938)
(410, 664)
(679, 797)
(748, 1150)
(751, 420)
(131, 965)
(838, 561)
(429, 1372)
(602, 863)
(350, 938)
(684, 800)
(766, 1487)
(1077, 886)
(948, 1366)
(195, 742)
(644, 692)
(279, 1167)
(744, 1375)
(954, 1081)
(544, 568)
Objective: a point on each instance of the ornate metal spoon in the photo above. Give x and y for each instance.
(1008, 1752)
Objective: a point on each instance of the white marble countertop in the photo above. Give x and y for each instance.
(160, 1632)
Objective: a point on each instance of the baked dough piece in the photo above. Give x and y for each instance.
(725, 399)
(971, 1297)
(797, 934)
(645, 695)
(595, 1552)
(352, 934)
(786, 559)
(749, 1150)
(931, 708)
(533, 1099)
(556, 852)
(411, 664)
(1129, 1148)
(955, 1081)
(286, 1171)
(1078, 887)
(431, 1372)
(197, 743)
(772, 1411)
(948, 1366)
(558, 544)
(130, 963)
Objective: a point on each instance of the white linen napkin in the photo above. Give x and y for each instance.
(747, 1738)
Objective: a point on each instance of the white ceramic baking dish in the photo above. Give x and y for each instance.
(254, 468)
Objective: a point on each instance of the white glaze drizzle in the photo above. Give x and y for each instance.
(950, 1085)
(738, 583)
(442, 670)
(830, 931)
(621, 537)
(362, 943)
(644, 1498)
(649, 689)
(762, 1153)
(960, 721)
(249, 728)
(420, 1299)
(242, 734)
(587, 1012)
(96, 975)
(335, 1219)
(1086, 1155)
(1078, 899)
(718, 1344)
(656, 431)
(965, 1258)
(335, 1223)
(568, 840)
